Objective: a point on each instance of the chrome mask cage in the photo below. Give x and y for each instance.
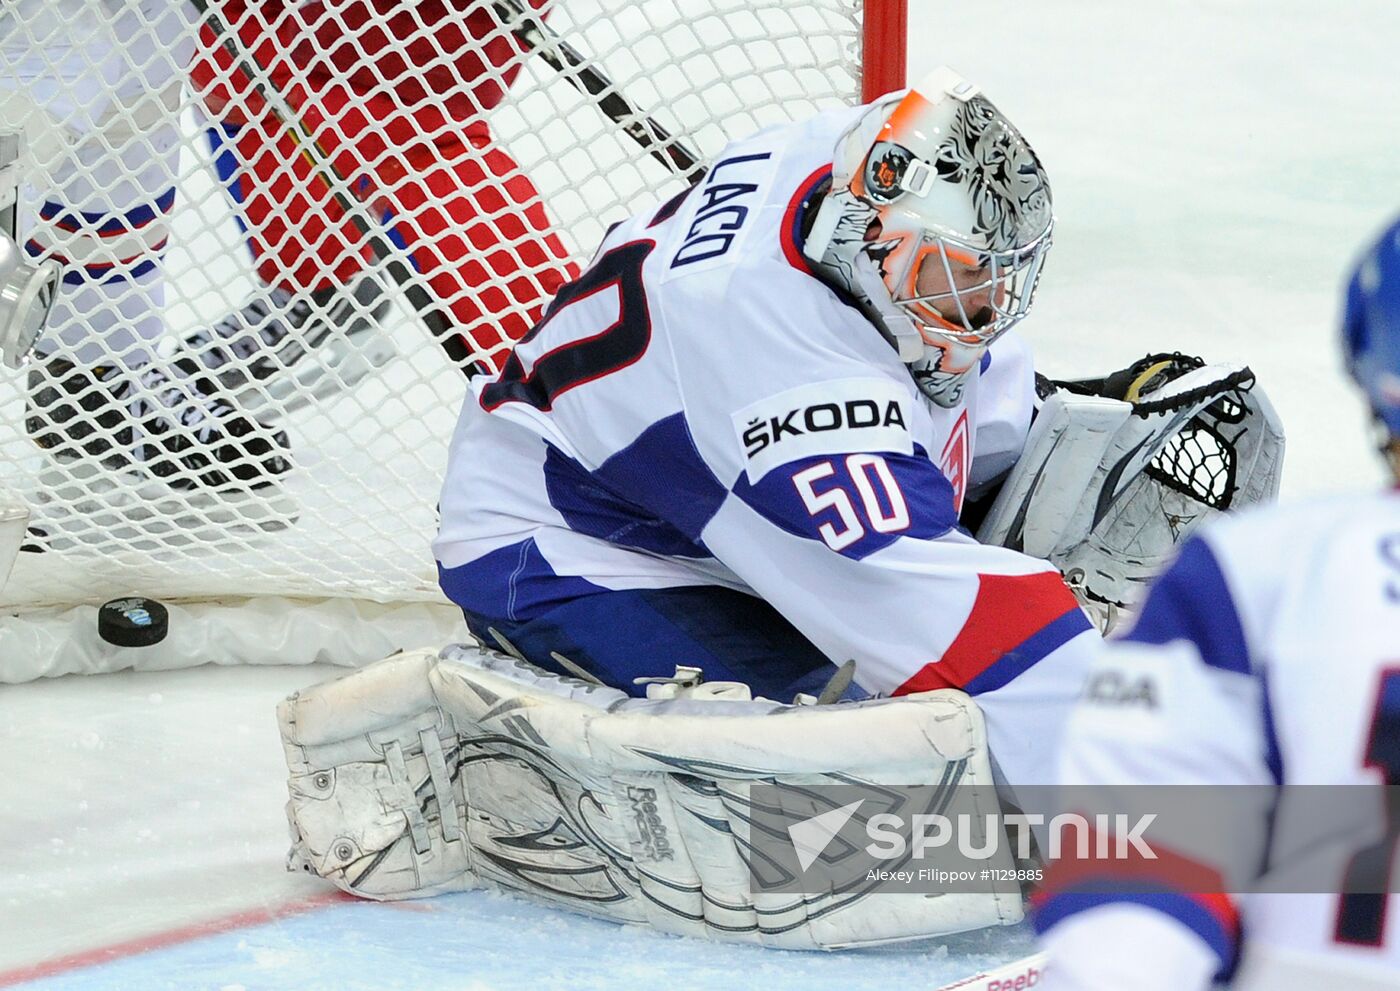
(980, 312)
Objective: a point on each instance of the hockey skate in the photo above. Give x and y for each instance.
(129, 446)
(291, 349)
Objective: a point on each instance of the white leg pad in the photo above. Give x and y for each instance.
(427, 773)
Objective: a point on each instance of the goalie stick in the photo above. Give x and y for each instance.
(531, 31)
(1019, 975)
(372, 229)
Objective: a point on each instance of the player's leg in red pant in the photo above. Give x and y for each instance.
(478, 230)
(299, 238)
(470, 220)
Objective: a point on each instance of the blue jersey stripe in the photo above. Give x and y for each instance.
(1273, 753)
(687, 494)
(663, 512)
(590, 507)
(926, 491)
(227, 166)
(514, 582)
(104, 222)
(98, 272)
(1035, 648)
(1192, 602)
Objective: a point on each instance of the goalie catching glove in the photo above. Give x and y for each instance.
(429, 773)
(1118, 471)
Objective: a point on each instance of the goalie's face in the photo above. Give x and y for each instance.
(938, 219)
(962, 220)
(960, 299)
(957, 294)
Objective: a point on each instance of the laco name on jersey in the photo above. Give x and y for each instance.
(718, 219)
(853, 414)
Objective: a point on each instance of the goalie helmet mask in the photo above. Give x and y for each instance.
(937, 223)
(1371, 335)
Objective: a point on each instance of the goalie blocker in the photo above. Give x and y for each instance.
(428, 773)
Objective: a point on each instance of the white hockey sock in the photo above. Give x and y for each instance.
(96, 89)
(109, 305)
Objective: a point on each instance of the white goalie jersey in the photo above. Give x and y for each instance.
(699, 409)
(1269, 654)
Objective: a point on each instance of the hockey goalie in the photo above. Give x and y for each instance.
(736, 472)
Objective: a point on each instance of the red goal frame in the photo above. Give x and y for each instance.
(884, 48)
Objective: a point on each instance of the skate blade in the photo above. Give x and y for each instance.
(334, 368)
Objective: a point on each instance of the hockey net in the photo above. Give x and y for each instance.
(410, 163)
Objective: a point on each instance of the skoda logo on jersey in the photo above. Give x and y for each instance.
(853, 414)
(844, 417)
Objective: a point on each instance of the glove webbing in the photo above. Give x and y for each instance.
(1241, 380)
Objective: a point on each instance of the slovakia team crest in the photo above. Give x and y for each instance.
(954, 460)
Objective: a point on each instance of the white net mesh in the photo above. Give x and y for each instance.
(299, 451)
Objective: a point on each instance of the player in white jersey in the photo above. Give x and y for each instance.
(746, 440)
(711, 450)
(94, 85)
(1269, 654)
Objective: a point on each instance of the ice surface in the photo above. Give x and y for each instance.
(1215, 166)
(143, 812)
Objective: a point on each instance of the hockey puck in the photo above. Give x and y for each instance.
(133, 622)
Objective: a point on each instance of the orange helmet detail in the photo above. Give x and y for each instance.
(938, 221)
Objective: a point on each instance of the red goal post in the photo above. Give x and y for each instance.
(884, 48)
(414, 146)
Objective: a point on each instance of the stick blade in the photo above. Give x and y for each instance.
(1019, 975)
